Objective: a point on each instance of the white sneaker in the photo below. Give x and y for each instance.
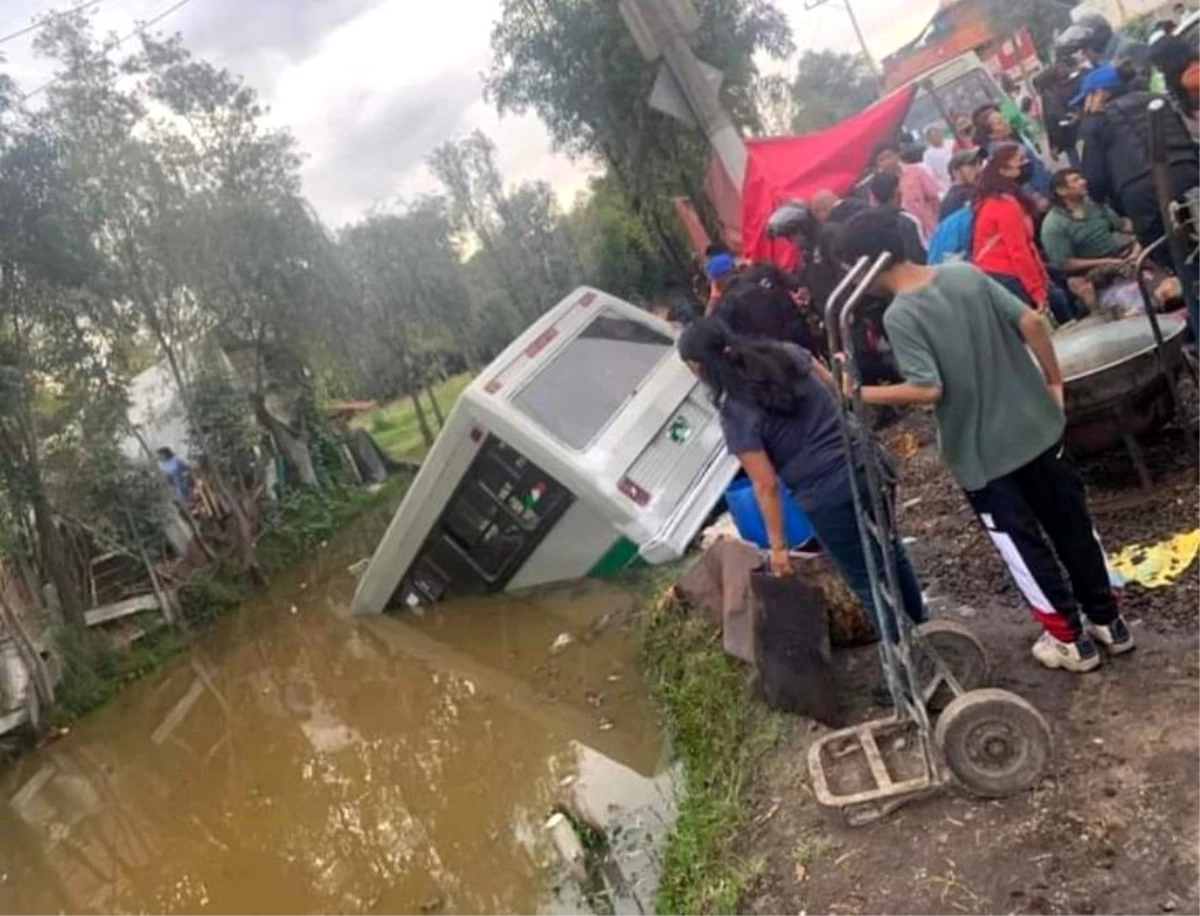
(1078, 656)
(1115, 637)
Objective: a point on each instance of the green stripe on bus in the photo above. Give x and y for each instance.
(619, 557)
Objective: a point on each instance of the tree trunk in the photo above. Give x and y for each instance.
(437, 408)
(54, 562)
(294, 449)
(422, 421)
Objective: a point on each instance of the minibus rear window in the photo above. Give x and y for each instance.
(584, 386)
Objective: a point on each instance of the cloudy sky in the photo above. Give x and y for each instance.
(369, 87)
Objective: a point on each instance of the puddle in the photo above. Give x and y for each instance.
(301, 760)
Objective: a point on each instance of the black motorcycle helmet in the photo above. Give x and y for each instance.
(1101, 30)
(1090, 32)
(789, 219)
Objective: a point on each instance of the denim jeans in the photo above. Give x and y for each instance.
(836, 527)
(1062, 304)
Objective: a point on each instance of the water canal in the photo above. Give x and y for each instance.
(300, 760)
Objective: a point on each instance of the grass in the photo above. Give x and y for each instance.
(811, 848)
(394, 426)
(718, 731)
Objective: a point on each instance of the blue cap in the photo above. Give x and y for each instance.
(719, 265)
(1103, 79)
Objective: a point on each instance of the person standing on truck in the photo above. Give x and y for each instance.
(779, 415)
(963, 343)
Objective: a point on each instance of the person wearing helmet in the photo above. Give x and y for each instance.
(1117, 166)
(1091, 40)
(793, 221)
(830, 212)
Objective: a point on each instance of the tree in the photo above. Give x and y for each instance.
(54, 371)
(407, 284)
(830, 87)
(617, 253)
(574, 64)
(138, 181)
(523, 236)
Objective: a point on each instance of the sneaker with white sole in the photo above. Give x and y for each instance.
(1080, 655)
(1115, 637)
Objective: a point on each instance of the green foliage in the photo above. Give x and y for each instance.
(829, 87)
(308, 518)
(223, 430)
(618, 253)
(94, 671)
(212, 592)
(574, 64)
(717, 732)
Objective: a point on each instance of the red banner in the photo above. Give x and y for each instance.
(786, 168)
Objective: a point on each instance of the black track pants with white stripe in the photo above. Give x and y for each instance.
(1044, 500)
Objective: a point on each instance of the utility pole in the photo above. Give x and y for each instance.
(661, 28)
(811, 5)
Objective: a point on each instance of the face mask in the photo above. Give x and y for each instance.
(1026, 174)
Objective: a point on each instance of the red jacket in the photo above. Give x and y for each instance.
(1004, 244)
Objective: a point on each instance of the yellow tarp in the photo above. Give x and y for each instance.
(1158, 564)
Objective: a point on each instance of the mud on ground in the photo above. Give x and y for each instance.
(1112, 827)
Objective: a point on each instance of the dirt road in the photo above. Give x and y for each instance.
(1111, 828)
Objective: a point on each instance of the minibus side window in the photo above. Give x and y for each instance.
(588, 382)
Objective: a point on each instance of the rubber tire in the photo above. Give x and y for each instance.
(1026, 731)
(962, 652)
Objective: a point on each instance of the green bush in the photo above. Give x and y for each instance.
(94, 671)
(212, 592)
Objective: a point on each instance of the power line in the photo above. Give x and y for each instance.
(114, 44)
(811, 5)
(48, 17)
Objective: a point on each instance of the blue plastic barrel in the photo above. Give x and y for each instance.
(743, 506)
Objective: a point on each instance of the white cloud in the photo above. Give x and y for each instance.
(370, 87)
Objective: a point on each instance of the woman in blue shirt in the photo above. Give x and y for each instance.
(780, 417)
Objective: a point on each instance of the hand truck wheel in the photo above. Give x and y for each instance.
(959, 650)
(994, 742)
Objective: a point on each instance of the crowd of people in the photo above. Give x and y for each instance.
(988, 247)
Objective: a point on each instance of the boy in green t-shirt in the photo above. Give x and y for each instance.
(963, 345)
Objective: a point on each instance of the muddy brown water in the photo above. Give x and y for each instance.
(301, 760)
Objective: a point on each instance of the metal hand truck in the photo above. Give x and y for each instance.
(993, 742)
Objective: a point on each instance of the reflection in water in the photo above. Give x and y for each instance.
(301, 761)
